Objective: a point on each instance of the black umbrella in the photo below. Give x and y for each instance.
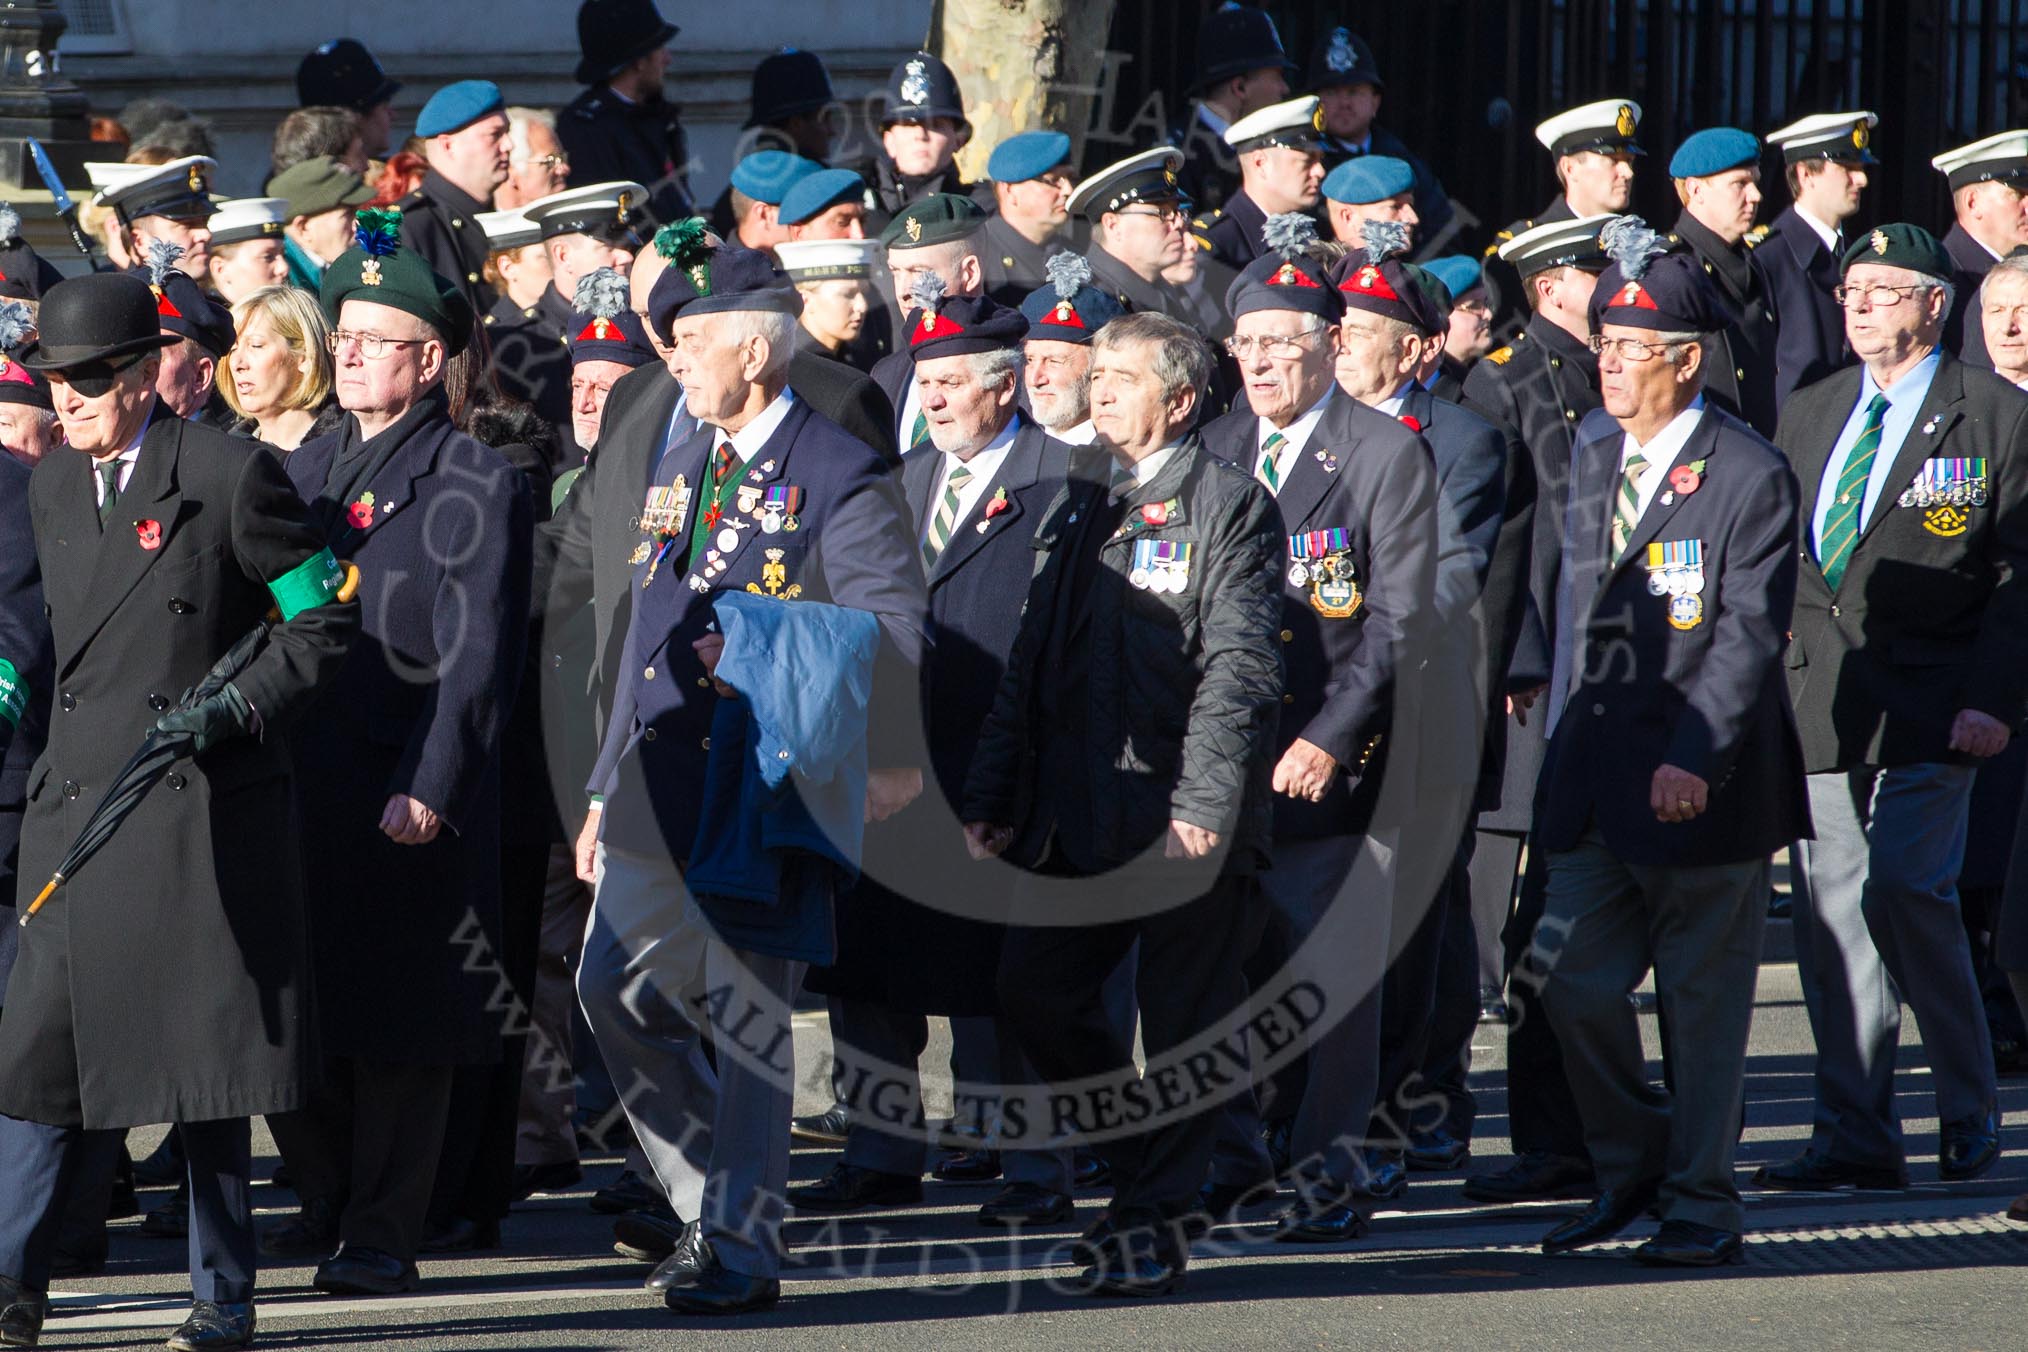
(158, 751)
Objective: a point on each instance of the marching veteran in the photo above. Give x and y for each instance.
(166, 981)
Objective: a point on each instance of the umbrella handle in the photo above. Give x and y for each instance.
(48, 889)
(347, 589)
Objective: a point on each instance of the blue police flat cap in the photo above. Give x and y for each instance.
(457, 106)
(814, 194)
(1369, 178)
(1030, 154)
(1713, 151)
(1459, 272)
(766, 175)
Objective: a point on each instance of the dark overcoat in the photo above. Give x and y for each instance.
(418, 709)
(169, 979)
(25, 647)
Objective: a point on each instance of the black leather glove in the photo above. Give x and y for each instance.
(211, 720)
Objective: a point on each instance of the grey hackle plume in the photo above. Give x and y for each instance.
(15, 324)
(10, 223)
(1629, 242)
(1383, 239)
(601, 293)
(928, 292)
(1289, 234)
(1066, 273)
(162, 256)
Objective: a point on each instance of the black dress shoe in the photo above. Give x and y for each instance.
(1383, 1177)
(67, 1264)
(717, 1289)
(311, 1233)
(21, 1314)
(2010, 1056)
(171, 1220)
(1278, 1137)
(1533, 1177)
(647, 1236)
(850, 1188)
(1323, 1213)
(967, 1166)
(1609, 1213)
(358, 1271)
(1687, 1244)
(825, 1128)
(1086, 1248)
(530, 1179)
(1089, 1169)
(628, 1192)
(1026, 1204)
(215, 1325)
(1812, 1172)
(461, 1235)
(1135, 1262)
(164, 1166)
(1436, 1152)
(684, 1262)
(1967, 1147)
(1781, 906)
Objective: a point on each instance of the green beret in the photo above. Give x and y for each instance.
(1900, 246)
(382, 271)
(937, 219)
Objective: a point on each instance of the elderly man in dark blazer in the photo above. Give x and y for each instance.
(407, 787)
(1355, 491)
(1674, 770)
(1909, 669)
(920, 936)
(161, 544)
(768, 497)
(1129, 761)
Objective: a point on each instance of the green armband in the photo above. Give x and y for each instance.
(13, 694)
(308, 585)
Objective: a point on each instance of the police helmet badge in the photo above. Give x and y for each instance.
(915, 84)
(1339, 58)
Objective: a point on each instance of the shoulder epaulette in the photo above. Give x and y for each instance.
(1500, 356)
(1755, 236)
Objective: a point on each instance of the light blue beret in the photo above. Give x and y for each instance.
(1026, 155)
(1713, 151)
(1369, 178)
(814, 194)
(457, 106)
(766, 175)
(1459, 272)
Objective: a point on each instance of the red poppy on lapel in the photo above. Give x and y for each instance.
(149, 533)
(996, 504)
(1156, 513)
(1411, 422)
(360, 513)
(1685, 479)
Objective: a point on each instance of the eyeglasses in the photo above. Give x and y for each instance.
(372, 346)
(1270, 344)
(1875, 297)
(546, 161)
(1627, 349)
(1172, 212)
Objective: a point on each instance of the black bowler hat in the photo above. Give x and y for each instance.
(343, 74)
(922, 88)
(613, 34)
(96, 317)
(1235, 39)
(786, 84)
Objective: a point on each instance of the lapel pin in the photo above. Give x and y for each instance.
(1929, 428)
(1667, 498)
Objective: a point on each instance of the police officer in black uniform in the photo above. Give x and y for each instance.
(1717, 173)
(922, 101)
(342, 73)
(1241, 67)
(1345, 76)
(621, 126)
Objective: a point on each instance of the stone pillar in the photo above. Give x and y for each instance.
(35, 98)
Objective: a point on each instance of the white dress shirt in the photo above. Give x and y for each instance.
(1833, 241)
(1391, 405)
(127, 459)
(1084, 434)
(1295, 438)
(985, 467)
(748, 441)
(1660, 453)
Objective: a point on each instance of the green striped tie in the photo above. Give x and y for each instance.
(1266, 472)
(1841, 523)
(918, 434)
(946, 519)
(1627, 510)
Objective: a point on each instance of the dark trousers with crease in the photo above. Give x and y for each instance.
(42, 1169)
(1541, 1110)
(368, 1142)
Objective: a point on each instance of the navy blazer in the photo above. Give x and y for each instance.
(1369, 475)
(1692, 681)
(1811, 341)
(851, 547)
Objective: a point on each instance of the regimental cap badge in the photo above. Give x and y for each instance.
(1632, 294)
(1339, 57)
(196, 178)
(1368, 275)
(914, 228)
(1317, 118)
(1169, 177)
(915, 84)
(1862, 136)
(626, 204)
(1879, 241)
(1624, 122)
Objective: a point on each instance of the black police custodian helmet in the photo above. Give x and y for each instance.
(343, 74)
(100, 316)
(1235, 39)
(786, 84)
(922, 88)
(613, 34)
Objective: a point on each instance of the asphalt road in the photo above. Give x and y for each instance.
(1933, 1267)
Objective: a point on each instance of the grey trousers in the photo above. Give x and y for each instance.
(878, 1048)
(651, 975)
(1876, 923)
(1606, 923)
(1340, 943)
